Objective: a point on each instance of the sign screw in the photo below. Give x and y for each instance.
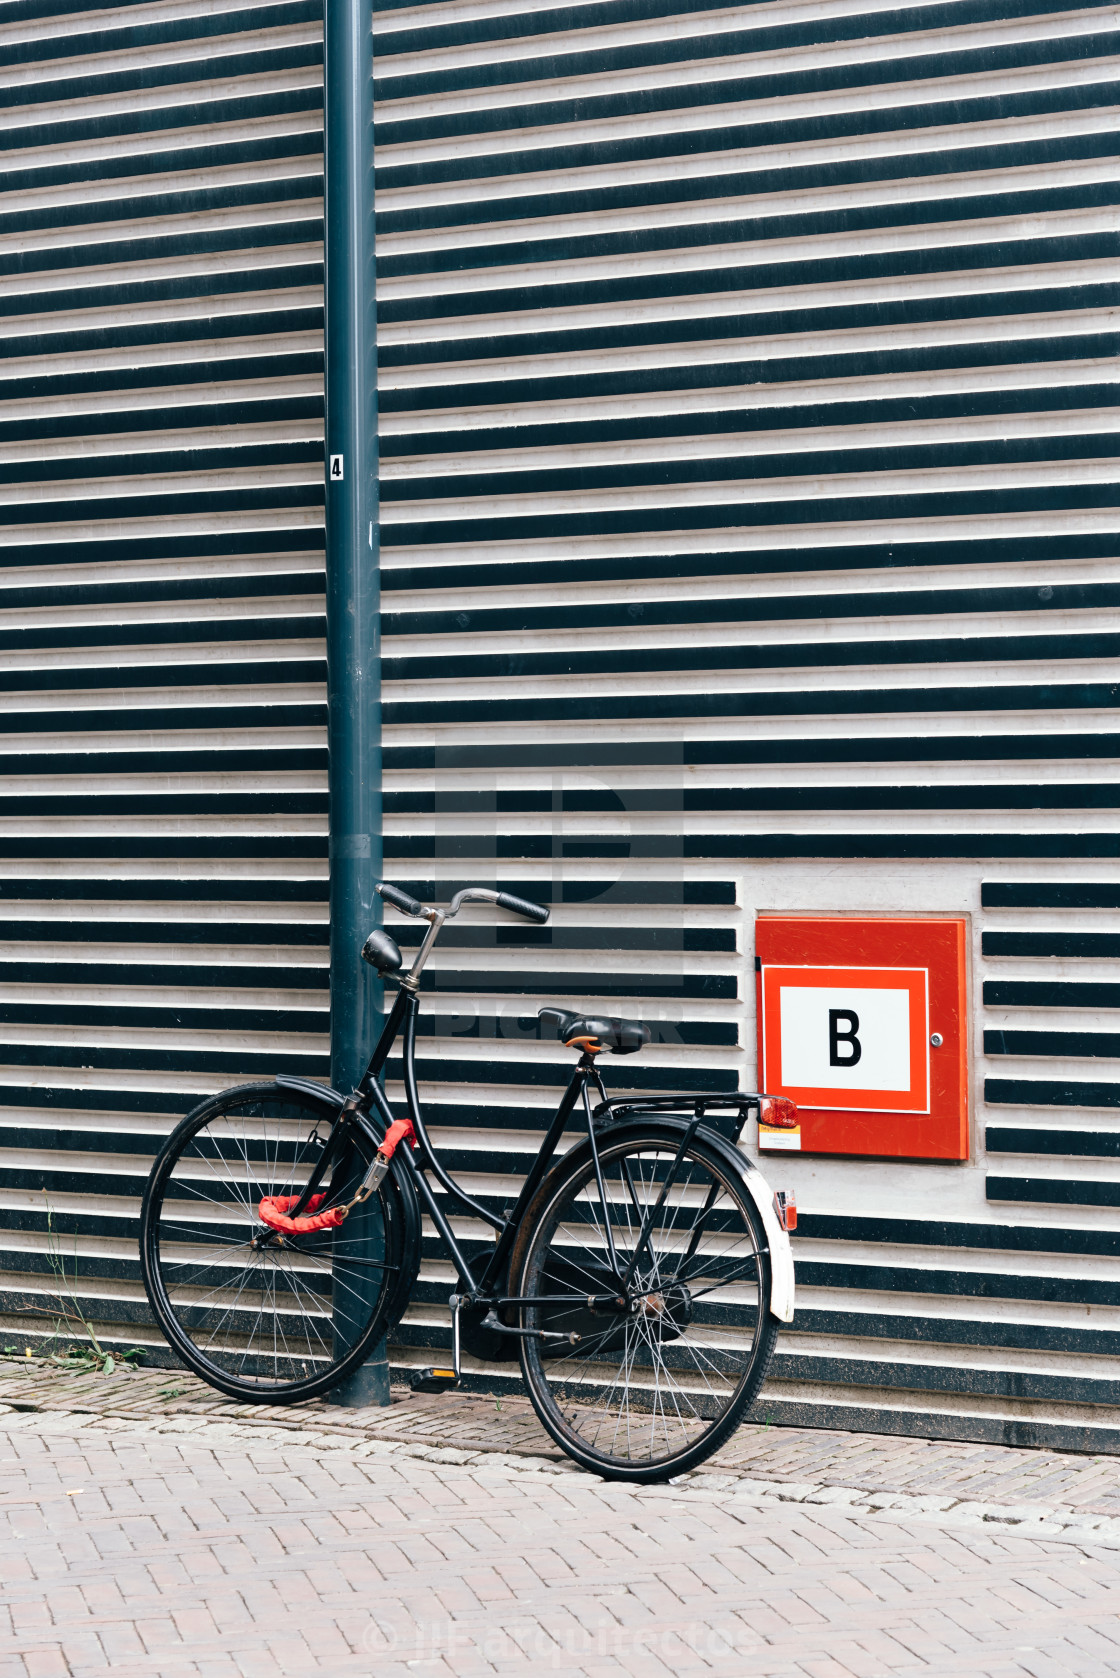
(936, 1039)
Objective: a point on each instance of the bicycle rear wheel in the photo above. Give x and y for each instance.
(657, 1289)
(287, 1320)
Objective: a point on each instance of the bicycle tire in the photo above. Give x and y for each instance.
(649, 1391)
(288, 1321)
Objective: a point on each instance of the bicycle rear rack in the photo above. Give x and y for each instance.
(726, 1114)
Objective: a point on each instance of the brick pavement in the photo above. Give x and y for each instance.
(871, 1462)
(199, 1548)
(146, 1528)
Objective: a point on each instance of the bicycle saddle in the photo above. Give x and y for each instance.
(587, 1031)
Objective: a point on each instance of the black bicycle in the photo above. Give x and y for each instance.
(639, 1279)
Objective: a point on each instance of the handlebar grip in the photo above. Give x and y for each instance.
(521, 906)
(400, 899)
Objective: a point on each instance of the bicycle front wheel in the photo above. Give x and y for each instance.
(652, 1294)
(286, 1319)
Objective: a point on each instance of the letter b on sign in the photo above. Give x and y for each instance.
(843, 1025)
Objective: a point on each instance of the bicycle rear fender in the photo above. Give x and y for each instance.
(781, 1254)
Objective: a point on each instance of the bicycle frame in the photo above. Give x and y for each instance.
(401, 1022)
(484, 1289)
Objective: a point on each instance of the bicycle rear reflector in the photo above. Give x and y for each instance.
(785, 1205)
(778, 1112)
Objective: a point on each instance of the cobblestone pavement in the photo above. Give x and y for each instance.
(147, 1528)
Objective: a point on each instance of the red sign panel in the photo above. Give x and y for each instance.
(862, 1023)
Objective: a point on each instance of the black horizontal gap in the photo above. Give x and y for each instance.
(161, 246)
(513, 1029)
(947, 1283)
(273, 59)
(155, 975)
(960, 649)
(241, 667)
(729, 275)
(946, 796)
(606, 892)
(225, 545)
(138, 633)
(494, 208)
(170, 928)
(765, 373)
(148, 165)
(988, 1236)
(167, 504)
(150, 206)
(238, 1063)
(75, 341)
(885, 555)
(1011, 1139)
(905, 64)
(158, 888)
(544, 1073)
(166, 377)
(239, 414)
(173, 1018)
(1059, 894)
(233, 455)
(886, 411)
(587, 338)
(957, 1330)
(549, 20)
(969, 841)
(1051, 943)
(242, 109)
(893, 453)
(272, 802)
(574, 987)
(668, 938)
(134, 37)
(769, 132)
(1049, 993)
(894, 749)
(687, 706)
(185, 846)
(735, 514)
(745, 228)
(825, 607)
(1052, 1191)
(1089, 1043)
(131, 718)
(267, 280)
(1049, 1092)
(235, 586)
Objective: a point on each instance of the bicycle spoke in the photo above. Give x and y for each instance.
(647, 1384)
(259, 1317)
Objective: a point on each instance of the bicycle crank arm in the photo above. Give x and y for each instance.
(496, 1326)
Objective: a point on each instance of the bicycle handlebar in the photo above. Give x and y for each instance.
(400, 899)
(501, 900)
(521, 906)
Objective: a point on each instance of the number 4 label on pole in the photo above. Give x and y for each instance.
(336, 473)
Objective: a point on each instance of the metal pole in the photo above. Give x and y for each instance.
(353, 645)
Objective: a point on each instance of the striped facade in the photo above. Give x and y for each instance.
(748, 534)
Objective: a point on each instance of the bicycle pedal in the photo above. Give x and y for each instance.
(434, 1381)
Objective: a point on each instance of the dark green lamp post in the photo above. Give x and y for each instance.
(353, 594)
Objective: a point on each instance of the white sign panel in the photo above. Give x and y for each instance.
(842, 1037)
